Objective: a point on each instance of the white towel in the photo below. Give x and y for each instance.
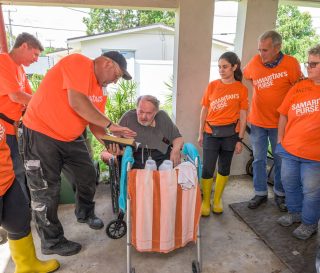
(187, 177)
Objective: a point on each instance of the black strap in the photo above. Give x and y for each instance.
(5, 118)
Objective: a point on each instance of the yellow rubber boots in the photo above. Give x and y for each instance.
(24, 256)
(206, 194)
(221, 182)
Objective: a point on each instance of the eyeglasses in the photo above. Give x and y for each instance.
(311, 64)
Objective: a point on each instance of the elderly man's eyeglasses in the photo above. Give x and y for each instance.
(311, 64)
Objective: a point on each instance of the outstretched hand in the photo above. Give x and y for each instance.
(122, 131)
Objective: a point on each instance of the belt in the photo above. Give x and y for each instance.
(9, 120)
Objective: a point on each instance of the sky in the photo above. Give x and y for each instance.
(54, 25)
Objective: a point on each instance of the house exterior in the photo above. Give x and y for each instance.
(149, 52)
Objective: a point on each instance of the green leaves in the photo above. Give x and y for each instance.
(297, 32)
(107, 20)
(121, 100)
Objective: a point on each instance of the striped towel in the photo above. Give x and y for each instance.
(163, 216)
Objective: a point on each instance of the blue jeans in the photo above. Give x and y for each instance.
(259, 139)
(301, 181)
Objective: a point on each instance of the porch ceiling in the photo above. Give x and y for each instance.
(141, 4)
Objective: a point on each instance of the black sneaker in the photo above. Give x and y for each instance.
(63, 248)
(256, 201)
(93, 221)
(281, 203)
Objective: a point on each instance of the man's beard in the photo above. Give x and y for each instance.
(146, 124)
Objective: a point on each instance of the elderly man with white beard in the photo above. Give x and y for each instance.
(158, 137)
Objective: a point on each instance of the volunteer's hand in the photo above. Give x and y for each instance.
(238, 148)
(200, 140)
(122, 131)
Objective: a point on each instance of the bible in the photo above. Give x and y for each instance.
(110, 139)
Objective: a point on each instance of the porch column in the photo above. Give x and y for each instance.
(192, 57)
(3, 37)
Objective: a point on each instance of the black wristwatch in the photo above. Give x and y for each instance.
(108, 126)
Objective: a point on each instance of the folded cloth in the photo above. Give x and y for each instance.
(187, 175)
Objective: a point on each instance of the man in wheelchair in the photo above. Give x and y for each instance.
(158, 138)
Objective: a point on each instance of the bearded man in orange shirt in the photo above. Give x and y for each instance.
(272, 74)
(70, 97)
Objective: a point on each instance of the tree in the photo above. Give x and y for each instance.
(106, 20)
(297, 32)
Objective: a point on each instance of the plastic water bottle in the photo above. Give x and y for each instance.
(150, 164)
(166, 165)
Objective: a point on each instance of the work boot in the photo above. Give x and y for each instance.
(281, 202)
(63, 248)
(257, 200)
(304, 231)
(290, 218)
(24, 256)
(221, 182)
(206, 194)
(93, 222)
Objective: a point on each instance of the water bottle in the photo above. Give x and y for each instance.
(166, 165)
(150, 164)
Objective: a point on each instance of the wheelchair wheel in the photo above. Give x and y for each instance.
(195, 267)
(249, 167)
(114, 185)
(116, 229)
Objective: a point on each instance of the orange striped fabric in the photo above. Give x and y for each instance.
(163, 215)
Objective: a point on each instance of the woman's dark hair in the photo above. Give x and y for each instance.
(233, 59)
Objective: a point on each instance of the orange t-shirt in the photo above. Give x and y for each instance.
(12, 79)
(49, 111)
(302, 107)
(270, 86)
(224, 102)
(6, 166)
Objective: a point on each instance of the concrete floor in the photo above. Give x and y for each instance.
(228, 245)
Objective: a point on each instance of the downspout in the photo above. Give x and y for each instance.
(3, 37)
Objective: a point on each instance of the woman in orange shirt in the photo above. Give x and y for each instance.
(299, 148)
(222, 126)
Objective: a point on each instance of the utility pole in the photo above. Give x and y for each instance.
(10, 27)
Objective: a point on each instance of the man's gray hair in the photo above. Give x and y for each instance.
(275, 37)
(314, 50)
(151, 99)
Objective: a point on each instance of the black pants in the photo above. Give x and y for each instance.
(15, 215)
(18, 164)
(217, 148)
(44, 159)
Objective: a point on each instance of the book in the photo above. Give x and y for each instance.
(110, 139)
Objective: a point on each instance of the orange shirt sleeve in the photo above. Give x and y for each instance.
(205, 99)
(244, 103)
(285, 105)
(8, 76)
